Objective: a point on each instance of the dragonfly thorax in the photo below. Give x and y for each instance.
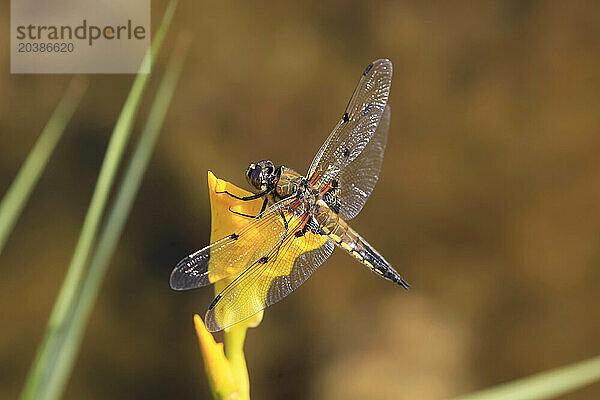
(289, 183)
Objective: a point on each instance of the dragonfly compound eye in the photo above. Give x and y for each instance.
(254, 174)
(267, 167)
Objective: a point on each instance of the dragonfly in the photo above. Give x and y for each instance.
(303, 218)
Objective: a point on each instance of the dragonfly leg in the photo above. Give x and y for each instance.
(285, 222)
(263, 208)
(246, 198)
(287, 229)
(242, 214)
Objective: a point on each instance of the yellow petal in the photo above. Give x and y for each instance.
(224, 222)
(218, 370)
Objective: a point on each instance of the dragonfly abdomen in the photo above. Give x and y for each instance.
(348, 239)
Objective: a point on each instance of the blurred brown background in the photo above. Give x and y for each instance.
(488, 201)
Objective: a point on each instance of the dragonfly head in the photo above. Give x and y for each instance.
(262, 175)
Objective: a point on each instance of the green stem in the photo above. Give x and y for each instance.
(234, 351)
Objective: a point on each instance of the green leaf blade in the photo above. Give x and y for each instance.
(44, 380)
(20, 190)
(545, 385)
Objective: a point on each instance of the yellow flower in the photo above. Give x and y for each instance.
(226, 371)
(224, 222)
(227, 375)
(218, 370)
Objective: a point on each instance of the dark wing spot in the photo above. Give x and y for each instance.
(368, 69)
(234, 236)
(299, 233)
(334, 183)
(346, 152)
(366, 109)
(263, 260)
(345, 117)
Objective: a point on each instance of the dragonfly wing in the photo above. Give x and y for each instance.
(270, 278)
(357, 126)
(357, 180)
(232, 254)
